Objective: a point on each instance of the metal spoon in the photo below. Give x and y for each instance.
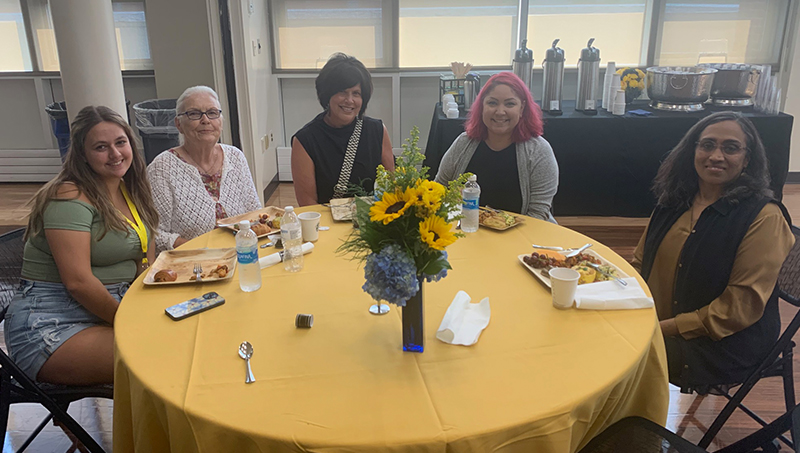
(268, 244)
(245, 352)
(576, 252)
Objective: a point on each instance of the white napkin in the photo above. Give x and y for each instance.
(463, 322)
(610, 295)
(275, 258)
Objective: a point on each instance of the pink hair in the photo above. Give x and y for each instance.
(530, 122)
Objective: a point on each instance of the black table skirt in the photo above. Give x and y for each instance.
(607, 163)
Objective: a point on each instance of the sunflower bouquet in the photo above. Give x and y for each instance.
(402, 236)
(632, 81)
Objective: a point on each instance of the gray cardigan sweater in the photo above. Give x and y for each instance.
(538, 172)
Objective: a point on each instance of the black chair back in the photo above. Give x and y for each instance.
(11, 249)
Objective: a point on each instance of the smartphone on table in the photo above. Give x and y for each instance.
(194, 306)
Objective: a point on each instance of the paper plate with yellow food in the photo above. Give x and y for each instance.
(497, 219)
(592, 267)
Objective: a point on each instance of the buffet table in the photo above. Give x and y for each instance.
(607, 163)
(539, 379)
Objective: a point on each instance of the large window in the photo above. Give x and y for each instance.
(14, 53)
(129, 24)
(307, 32)
(711, 31)
(429, 34)
(616, 25)
(435, 33)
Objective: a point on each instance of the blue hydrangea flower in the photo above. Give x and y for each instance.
(442, 274)
(391, 275)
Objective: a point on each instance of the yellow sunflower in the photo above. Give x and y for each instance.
(436, 232)
(429, 195)
(392, 205)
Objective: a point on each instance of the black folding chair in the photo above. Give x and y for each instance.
(16, 386)
(639, 435)
(778, 363)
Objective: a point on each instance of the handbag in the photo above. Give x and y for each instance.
(340, 189)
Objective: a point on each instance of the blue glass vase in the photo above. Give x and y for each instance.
(413, 335)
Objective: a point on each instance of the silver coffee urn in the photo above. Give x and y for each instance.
(588, 79)
(523, 64)
(553, 66)
(472, 86)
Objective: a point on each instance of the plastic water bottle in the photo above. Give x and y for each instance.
(292, 238)
(247, 256)
(470, 196)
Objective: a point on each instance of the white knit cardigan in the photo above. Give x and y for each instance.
(185, 207)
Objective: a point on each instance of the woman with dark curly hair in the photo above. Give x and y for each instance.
(341, 147)
(712, 252)
(504, 147)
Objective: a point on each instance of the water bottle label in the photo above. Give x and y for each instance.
(296, 233)
(247, 257)
(470, 204)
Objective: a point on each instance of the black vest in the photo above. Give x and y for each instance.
(703, 272)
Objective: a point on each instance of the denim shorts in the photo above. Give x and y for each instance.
(41, 317)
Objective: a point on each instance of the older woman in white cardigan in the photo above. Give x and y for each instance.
(202, 180)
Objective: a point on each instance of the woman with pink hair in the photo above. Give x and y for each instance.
(503, 139)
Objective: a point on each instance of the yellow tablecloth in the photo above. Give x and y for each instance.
(539, 379)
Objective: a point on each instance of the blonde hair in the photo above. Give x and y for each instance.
(76, 170)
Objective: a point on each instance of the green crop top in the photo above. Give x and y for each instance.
(114, 258)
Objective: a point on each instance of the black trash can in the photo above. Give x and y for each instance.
(59, 122)
(155, 120)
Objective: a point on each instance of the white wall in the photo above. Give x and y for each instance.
(790, 81)
(180, 45)
(257, 89)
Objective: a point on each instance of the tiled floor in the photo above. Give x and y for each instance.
(619, 233)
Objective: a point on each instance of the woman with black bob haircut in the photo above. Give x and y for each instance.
(712, 252)
(340, 147)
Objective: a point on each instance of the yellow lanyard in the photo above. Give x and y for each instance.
(137, 226)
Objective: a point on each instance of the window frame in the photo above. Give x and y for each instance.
(659, 9)
(33, 49)
(654, 11)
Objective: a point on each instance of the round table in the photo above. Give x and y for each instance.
(539, 379)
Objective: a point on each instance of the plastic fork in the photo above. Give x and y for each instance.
(198, 269)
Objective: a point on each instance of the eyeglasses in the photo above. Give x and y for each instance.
(729, 148)
(197, 114)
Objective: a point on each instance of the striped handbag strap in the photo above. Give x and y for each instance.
(340, 189)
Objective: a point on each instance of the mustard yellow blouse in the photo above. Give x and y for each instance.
(755, 271)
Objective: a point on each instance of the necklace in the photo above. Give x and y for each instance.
(200, 167)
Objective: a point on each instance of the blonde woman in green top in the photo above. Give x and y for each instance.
(89, 235)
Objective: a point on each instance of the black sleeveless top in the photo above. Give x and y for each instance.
(498, 176)
(326, 145)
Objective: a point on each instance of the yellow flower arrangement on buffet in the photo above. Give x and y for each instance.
(403, 234)
(632, 82)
